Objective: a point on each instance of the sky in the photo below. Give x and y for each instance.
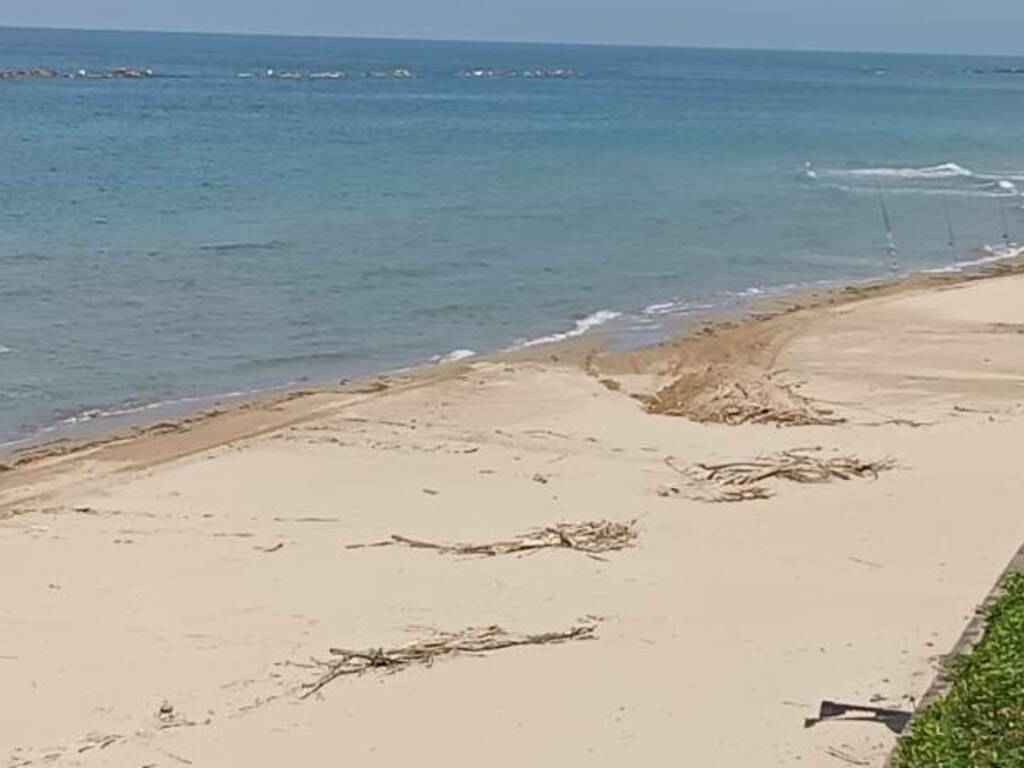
(915, 26)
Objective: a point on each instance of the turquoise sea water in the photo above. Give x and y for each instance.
(199, 233)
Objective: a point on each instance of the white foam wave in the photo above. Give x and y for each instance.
(583, 325)
(663, 308)
(1016, 175)
(942, 179)
(978, 191)
(137, 408)
(4, 350)
(454, 356)
(674, 307)
(931, 172)
(991, 256)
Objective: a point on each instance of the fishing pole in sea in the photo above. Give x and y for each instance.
(949, 227)
(1005, 223)
(890, 238)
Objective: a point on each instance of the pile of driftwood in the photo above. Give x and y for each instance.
(718, 394)
(475, 640)
(589, 537)
(743, 480)
(798, 466)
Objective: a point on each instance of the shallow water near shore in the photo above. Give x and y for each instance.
(175, 238)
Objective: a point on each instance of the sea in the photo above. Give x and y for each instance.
(251, 213)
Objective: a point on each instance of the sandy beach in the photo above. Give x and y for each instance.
(174, 591)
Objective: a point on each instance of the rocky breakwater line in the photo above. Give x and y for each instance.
(377, 74)
(536, 74)
(49, 73)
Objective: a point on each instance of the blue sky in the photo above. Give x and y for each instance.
(982, 26)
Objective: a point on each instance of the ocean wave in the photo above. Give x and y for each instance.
(983, 190)
(942, 179)
(453, 356)
(1007, 175)
(930, 172)
(583, 325)
(4, 350)
(93, 414)
(241, 245)
(674, 307)
(662, 308)
(990, 255)
(133, 409)
(296, 361)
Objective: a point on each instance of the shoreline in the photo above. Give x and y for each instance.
(232, 545)
(94, 423)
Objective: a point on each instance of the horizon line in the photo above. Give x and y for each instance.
(496, 41)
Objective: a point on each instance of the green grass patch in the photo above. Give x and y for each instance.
(980, 721)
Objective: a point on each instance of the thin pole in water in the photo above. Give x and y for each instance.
(949, 227)
(890, 239)
(1006, 226)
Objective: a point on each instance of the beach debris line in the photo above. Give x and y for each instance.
(744, 480)
(473, 640)
(589, 537)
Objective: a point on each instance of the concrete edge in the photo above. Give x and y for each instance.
(971, 636)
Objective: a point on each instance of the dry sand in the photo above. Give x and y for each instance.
(197, 567)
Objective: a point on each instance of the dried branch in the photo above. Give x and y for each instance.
(589, 537)
(798, 466)
(424, 652)
(750, 493)
(743, 480)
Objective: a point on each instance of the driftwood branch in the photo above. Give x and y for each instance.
(474, 640)
(744, 480)
(749, 493)
(798, 466)
(591, 538)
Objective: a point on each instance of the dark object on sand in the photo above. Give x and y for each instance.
(893, 719)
